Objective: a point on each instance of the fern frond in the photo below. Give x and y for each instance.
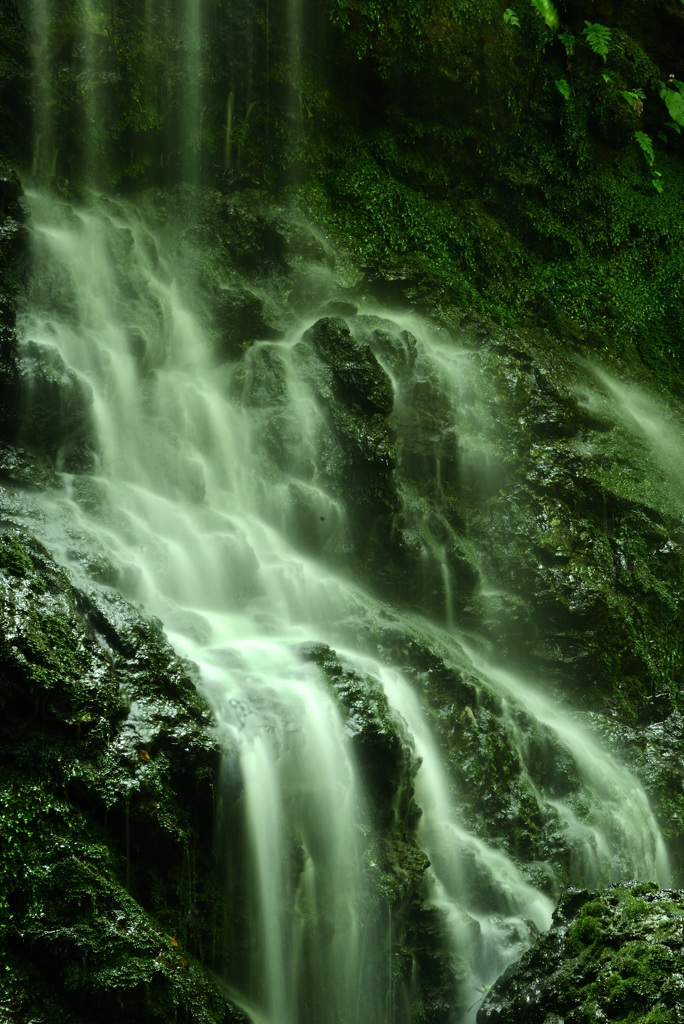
(563, 87)
(646, 143)
(598, 37)
(568, 41)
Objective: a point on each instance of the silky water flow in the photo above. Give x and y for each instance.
(187, 501)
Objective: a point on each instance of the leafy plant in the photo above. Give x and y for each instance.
(511, 18)
(673, 95)
(563, 87)
(598, 37)
(568, 41)
(646, 144)
(635, 98)
(548, 12)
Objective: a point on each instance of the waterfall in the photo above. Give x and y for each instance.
(199, 509)
(210, 490)
(176, 500)
(44, 143)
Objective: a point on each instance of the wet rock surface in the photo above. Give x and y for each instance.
(378, 734)
(614, 955)
(361, 382)
(56, 409)
(106, 770)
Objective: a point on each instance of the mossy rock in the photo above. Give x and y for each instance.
(108, 893)
(613, 955)
(381, 743)
(74, 941)
(361, 381)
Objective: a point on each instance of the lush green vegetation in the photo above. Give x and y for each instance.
(558, 202)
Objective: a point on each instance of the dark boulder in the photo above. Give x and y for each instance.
(361, 381)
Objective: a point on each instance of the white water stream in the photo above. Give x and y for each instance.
(188, 502)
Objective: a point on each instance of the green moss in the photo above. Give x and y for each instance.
(659, 1015)
(90, 942)
(607, 965)
(105, 787)
(14, 557)
(587, 930)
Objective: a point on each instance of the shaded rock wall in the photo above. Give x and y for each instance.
(107, 774)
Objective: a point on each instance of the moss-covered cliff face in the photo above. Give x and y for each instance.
(499, 162)
(361, 167)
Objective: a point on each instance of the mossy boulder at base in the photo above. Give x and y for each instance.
(616, 955)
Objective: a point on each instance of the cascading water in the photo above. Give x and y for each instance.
(178, 491)
(208, 489)
(650, 424)
(298, 868)
(489, 931)
(193, 503)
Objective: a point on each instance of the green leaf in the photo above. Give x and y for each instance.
(673, 94)
(568, 41)
(511, 18)
(646, 144)
(598, 37)
(563, 87)
(548, 12)
(635, 98)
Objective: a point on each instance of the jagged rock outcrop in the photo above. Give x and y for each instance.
(107, 760)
